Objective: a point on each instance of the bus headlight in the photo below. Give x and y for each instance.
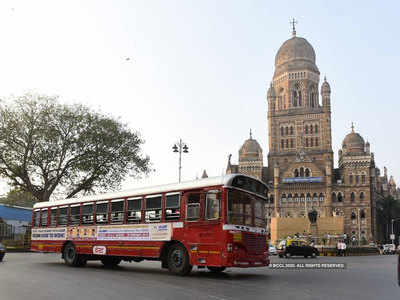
(229, 247)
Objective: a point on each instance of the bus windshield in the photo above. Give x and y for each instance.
(240, 209)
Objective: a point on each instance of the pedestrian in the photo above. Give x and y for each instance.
(344, 247)
(338, 247)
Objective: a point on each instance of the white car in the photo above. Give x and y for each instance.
(389, 249)
(272, 250)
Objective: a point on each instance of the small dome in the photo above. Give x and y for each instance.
(353, 143)
(250, 150)
(325, 88)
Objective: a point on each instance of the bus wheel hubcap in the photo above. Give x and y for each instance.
(177, 258)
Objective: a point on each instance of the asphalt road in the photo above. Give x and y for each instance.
(36, 276)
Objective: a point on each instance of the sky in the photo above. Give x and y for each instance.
(199, 70)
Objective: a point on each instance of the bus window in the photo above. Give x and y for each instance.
(101, 212)
(53, 216)
(239, 208)
(259, 213)
(117, 211)
(172, 206)
(43, 218)
(87, 213)
(153, 209)
(36, 217)
(75, 214)
(134, 210)
(193, 207)
(62, 216)
(212, 205)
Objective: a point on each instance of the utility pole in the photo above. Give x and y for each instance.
(179, 148)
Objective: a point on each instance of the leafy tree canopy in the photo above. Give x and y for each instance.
(47, 147)
(17, 197)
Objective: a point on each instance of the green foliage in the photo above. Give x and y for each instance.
(388, 208)
(17, 197)
(46, 146)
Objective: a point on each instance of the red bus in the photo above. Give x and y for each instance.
(213, 222)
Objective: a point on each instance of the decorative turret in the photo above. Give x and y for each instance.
(367, 148)
(271, 96)
(326, 94)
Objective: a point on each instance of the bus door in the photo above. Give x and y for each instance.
(203, 233)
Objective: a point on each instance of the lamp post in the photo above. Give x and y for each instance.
(180, 148)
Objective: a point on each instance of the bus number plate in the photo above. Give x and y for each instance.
(99, 250)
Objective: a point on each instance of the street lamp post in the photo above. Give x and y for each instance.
(180, 148)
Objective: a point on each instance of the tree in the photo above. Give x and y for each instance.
(17, 197)
(388, 208)
(46, 146)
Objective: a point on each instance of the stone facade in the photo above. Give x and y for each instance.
(300, 171)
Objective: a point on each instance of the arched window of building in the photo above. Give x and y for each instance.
(321, 197)
(339, 197)
(361, 196)
(296, 173)
(306, 129)
(283, 198)
(271, 199)
(287, 144)
(351, 179)
(352, 197)
(315, 197)
(282, 144)
(312, 98)
(311, 129)
(334, 197)
(306, 142)
(353, 215)
(362, 214)
(302, 198)
(295, 97)
(363, 178)
(357, 179)
(291, 130)
(301, 172)
(316, 141)
(286, 130)
(289, 198)
(282, 131)
(308, 198)
(291, 143)
(307, 172)
(311, 142)
(296, 198)
(316, 128)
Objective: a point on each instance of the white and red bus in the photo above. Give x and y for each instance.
(213, 222)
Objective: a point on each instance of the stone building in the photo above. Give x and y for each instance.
(300, 170)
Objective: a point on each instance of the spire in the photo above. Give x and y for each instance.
(293, 22)
(204, 174)
(352, 127)
(325, 78)
(251, 136)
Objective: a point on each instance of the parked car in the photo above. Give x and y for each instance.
(298, 248)
(389, 249)
(2, 251)
(272, 250)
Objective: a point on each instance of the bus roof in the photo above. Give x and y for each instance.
(225, 180)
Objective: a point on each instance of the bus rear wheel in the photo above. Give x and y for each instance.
(216, 269)
(72, 258)
(178, 260)
(110, 262)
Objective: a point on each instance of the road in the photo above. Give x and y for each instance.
(37, 276)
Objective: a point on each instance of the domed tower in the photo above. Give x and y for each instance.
(251, 158)
(297, 122)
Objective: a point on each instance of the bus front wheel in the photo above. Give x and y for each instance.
(178, 260)
(72, 258)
